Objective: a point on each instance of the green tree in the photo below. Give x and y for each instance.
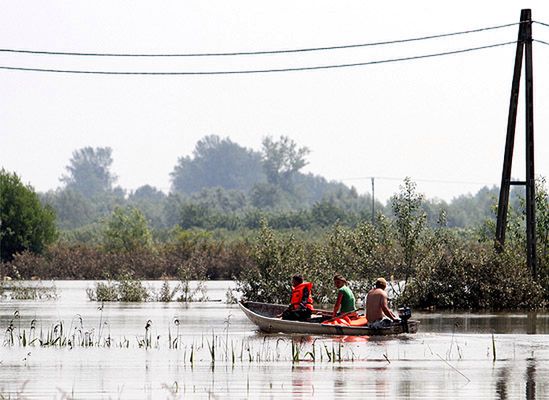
(24, 223)
(325, 213)
(127, 230)
(410, 224)
(72, 209)
(268, 196)
(89, 171)
(282, 160)
(151, 202)
(217, 162)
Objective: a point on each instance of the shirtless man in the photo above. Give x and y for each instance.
(376, 304)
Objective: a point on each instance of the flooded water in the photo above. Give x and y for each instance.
(210, 350)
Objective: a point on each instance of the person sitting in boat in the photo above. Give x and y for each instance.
(377, 310)
(301, 302)
(345, 302)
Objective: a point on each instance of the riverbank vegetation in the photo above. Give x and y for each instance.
(234, 213)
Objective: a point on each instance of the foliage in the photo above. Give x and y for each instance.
(474, 277)
(166, 293)
(127, 230)
(126, 288)
(131, 289)
(151, 202)
(276, 261)
(542, 234)
(217, 162)
(439, 267)
(89, 171)
(268, 196)
(282, 160)
(409, 226)
(103, 291)
(24, 223)
(18, 290)
(72, 209)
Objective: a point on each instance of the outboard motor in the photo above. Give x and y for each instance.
(404, 313)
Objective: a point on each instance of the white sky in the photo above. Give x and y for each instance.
(438, 119)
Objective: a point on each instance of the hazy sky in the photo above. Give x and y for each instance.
(441, 121)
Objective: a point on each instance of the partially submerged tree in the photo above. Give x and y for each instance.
(410, 223)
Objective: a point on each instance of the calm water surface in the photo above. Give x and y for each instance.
(210, 350)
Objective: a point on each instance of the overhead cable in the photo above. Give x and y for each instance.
(541, 23)
(393, 178)
(249, 53)
(257, 71)
(541, 41)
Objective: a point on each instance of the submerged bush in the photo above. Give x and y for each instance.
(125, 289)
(131, 290)
(103, 291)
(166, 293)
(474, 278)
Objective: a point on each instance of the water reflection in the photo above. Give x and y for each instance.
(302, 382)
(531, 380)
(531, 326)
(447, 322)
(501, 383)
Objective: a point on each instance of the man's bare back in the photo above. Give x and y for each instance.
(376, 305)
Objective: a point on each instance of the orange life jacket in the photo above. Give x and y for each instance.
(297, 296)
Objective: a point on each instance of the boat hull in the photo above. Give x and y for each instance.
(264, 316)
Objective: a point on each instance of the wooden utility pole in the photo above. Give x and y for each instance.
(373, 203)
(524, 47)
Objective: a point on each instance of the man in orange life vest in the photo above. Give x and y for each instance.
(301, 303)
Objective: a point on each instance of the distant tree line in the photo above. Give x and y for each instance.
(223, 185)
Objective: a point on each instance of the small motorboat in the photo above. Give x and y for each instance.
(265, 316)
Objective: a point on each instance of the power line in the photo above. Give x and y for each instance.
(262, 52)
(392, 178)
(541, 41)
(541, 23)
(258, 71)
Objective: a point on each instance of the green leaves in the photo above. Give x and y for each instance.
(24, 223)
(89, 171)
(127, 230)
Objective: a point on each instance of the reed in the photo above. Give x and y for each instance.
(312, 353)
(211, 348)
(493, 348)
(176, 340)
(295, 351)
(148, 335)
(100, 308)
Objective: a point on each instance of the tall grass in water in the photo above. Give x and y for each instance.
(19, 290)
(211, 348)
(294, 350)
(174, 342)
(129, 289)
